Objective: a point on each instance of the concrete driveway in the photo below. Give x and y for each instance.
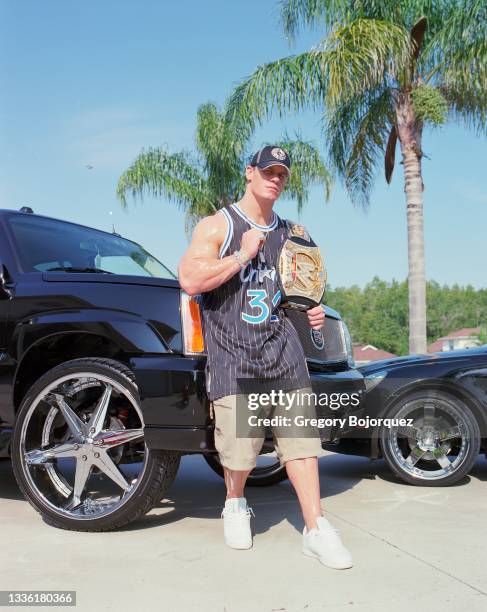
(413, 548)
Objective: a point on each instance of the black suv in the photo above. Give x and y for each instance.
(102, 385)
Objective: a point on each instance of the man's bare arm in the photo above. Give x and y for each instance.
(200, 268)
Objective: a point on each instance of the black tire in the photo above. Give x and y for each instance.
(159, 467)
(443, 416)
(258, 477)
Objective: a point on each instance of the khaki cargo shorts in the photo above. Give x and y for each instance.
(240, 453)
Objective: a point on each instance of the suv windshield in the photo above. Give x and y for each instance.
(45, 245)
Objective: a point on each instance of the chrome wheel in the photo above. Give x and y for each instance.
(439, 446)
(81, 445)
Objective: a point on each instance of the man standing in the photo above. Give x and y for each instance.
(232, 263)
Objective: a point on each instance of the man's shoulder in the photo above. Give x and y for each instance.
(216, 221)
(211, 231)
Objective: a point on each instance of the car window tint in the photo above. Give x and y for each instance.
(43, 244)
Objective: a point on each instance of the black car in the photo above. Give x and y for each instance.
(443, 399)
(102, 385)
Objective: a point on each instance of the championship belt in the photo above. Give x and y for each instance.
(302, 274)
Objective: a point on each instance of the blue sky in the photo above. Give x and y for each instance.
(92, 83)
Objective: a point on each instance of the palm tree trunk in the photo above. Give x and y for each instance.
(409, 133)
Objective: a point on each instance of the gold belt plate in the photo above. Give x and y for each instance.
(302, 273)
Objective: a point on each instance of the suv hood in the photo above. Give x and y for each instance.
(395, 362)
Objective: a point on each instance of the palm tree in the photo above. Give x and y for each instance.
(203, 183)
(381, 73)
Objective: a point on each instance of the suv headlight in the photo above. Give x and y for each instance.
(191, 324)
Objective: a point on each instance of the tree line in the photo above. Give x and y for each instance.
(378, 313)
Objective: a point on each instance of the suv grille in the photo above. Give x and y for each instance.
(334, 348)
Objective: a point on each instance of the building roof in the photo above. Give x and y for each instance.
(465, 332)
(368, 352)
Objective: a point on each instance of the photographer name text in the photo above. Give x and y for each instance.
(321, 422)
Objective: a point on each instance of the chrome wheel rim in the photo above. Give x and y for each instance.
(82, 446)
(436, 444)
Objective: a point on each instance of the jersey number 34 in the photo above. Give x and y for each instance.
(257, 301)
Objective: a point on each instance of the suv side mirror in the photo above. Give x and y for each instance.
(5, 290)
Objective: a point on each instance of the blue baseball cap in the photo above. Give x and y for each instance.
(271, 155)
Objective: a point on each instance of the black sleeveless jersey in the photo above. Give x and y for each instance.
(246, 334)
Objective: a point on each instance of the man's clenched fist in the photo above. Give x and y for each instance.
(316, 317)
(251, 242)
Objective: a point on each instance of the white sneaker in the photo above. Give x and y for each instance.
(236, 523)
(324, 544)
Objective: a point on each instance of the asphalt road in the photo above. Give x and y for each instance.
(413, 548)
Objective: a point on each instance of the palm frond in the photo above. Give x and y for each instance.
(469, 108)
(291, 83)
(417, 34)
(456, 62)
(390, 156)
(363, 54)
(458, 51)
(307, 168)
(175, 177)
(357, 132)
(311, 13)
(208, 130)
(325, 14)
(220, 149)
